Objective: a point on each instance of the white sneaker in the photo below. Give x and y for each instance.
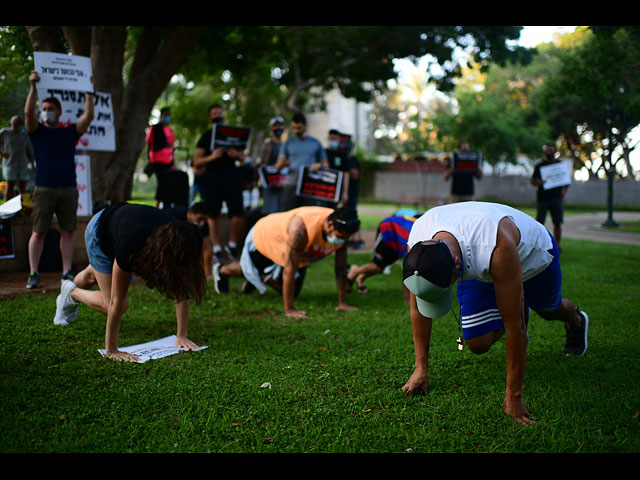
(66, 307)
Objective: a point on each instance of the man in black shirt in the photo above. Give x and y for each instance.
(222, 182)
(550, 199)
(338, 160)
(462, 183)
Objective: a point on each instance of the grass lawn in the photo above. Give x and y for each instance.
(334, 377)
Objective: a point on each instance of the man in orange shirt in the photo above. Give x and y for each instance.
(280, 247)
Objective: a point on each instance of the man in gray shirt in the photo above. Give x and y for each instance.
(17, 153)
(300, 150)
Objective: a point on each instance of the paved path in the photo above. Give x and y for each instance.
(581, 226)
(586, 226)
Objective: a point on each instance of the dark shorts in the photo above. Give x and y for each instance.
(61, 201)
(553, 206)
(223, 187)
(383, 255)
(479, 309)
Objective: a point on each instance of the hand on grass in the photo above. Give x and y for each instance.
(344, 306)
(418, 384)
(122, 356)
(514, 407)
(184, 342)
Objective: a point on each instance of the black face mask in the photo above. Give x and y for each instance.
(217, 120)
(551, 156)
(277, 132)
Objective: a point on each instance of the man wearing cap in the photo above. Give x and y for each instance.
(280, 247)
(505, 262)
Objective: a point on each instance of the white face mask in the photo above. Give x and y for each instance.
(49, 117)
(333, 240)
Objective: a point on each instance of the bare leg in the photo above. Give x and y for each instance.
(236, 229)
(567, 313)
(232, 269)
(97, 300)
(36, 245)
(66, 249)
(557, 233)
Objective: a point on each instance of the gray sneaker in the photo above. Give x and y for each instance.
(221, 282)
(576, 343)
(34, 280)
(66, 307)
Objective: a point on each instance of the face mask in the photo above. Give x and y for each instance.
(217, 120)
(333, 240)
(166, 119)
(277, 132)
(333, 144)
(49, 117)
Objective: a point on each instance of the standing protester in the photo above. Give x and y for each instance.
(268, 157)
(222, 183)
(299, 150)
(280, 247)
(551, 200)
(123, 239)
(17, 153)
(55, 190)
(339, 160)
(505, 262)
(462, 183)
(160, 141)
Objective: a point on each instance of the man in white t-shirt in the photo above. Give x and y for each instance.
(505, 262)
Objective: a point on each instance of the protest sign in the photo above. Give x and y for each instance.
(83, 182)
(228, 136)
(323, 184)
(152, 350)
(100, 136)
(63, 72)
(555, 175)
(270, 177)
(345, 142)
(6, 239)
(467, 162)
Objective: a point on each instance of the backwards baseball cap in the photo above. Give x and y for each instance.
(426, 272)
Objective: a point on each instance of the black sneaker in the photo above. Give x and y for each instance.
(221, 282)
(68, 275)
(34, 280)
(248, 287)
(232, 252)
(218, 257)
(576, 343)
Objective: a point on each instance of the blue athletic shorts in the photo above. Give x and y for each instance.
(479, 309)
(97, 258)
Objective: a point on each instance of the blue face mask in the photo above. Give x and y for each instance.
(166, 119)
(333, 144)
(49, 117)
(333, 240)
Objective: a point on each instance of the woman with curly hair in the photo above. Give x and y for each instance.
(124, 239)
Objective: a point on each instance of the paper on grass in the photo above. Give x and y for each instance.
(153, 350)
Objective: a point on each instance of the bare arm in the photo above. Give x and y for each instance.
(30, 113)
(115, 310)
(200, 159)
(87, 116)
(296, 242)
(182, 316)
(506, 271)
(421, 326)
(341, 279)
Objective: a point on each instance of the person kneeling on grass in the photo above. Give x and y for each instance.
(390, 245)
(124, 239)
(280, 247)
(505, 262)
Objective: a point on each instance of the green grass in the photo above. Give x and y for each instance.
(335, 377)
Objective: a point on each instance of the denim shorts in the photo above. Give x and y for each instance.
(97, 258)
(15, 173)
(479, 308)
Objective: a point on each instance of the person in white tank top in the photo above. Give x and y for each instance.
(504, 257)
